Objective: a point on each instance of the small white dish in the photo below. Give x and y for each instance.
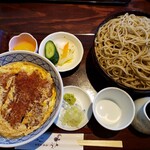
(113, 108)
(83, 100)
(23, 41)
(60, 39)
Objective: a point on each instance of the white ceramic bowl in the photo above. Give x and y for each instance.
(21, 38)
(35, 58)
(60, 39)
(113, 108)
(83, 100)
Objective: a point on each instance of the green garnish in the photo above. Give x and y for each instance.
(72, 116)
(69, 98)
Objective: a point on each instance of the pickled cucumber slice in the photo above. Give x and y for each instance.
(51, 52)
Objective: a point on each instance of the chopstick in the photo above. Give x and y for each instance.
(103, 143)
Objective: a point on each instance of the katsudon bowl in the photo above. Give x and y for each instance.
(121, 53)
(34, 58)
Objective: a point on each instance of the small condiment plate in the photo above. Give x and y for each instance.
(60, 39)
(83, 100)
(23, 41)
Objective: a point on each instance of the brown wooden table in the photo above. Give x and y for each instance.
(41, 19)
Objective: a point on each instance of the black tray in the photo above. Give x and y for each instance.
(116, 2)
(107, 2)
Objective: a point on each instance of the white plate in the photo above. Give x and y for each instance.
(83, 100)
(60, 39)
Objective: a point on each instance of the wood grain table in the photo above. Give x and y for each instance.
(41, 19)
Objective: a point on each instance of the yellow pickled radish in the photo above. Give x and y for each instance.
(65, 50)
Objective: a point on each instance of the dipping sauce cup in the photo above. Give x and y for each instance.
(113, 108)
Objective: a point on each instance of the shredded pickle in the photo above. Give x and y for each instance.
(66, 56)
(72, 116)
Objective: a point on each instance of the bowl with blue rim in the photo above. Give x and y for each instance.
(25, 56)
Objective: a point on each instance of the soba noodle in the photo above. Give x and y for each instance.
(122, 47)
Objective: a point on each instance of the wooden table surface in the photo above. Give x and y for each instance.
(41, 19)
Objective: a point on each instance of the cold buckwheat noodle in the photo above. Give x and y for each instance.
(122, 47)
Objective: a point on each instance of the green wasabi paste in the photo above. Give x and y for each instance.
(69, 98)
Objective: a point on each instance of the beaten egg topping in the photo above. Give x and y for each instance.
(25, 46)
(27, 98)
